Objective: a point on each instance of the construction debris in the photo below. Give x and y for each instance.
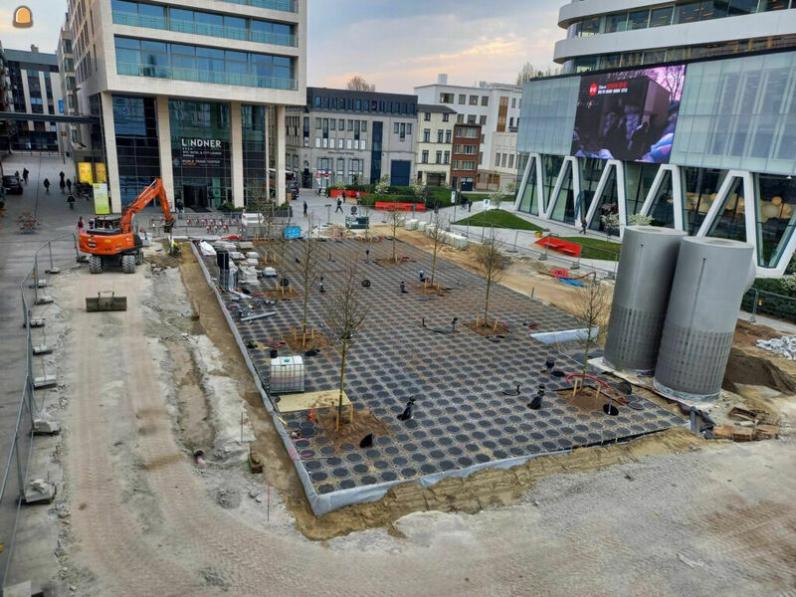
(784, 346)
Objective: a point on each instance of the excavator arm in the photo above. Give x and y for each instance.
(154, 191)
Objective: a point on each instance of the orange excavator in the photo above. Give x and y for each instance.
(112, 239)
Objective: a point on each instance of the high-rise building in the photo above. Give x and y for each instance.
(70, 135)
(345, 137)
(703, 144)
(604, 34)
(494, 107)
(35, 85)
(194, 93)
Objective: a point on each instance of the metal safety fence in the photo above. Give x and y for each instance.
(772, 304)
(17, 432)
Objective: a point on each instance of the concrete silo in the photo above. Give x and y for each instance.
(641, 296)
(711, 278)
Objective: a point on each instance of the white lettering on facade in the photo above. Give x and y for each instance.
(207, 143)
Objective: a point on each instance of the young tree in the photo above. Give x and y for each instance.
(346, 311)
(610, 223)
(492, 264)
(436, 234)
(308, 262)
(395, 218)
(382, 187)
(591, 305)
(357, 83)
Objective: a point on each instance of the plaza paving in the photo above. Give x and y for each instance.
(462, 418)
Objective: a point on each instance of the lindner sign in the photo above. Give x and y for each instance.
(201, 153)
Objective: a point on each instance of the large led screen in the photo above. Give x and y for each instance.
(628, 115)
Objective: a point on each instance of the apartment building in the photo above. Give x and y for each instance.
(434, 144)
(495, 108)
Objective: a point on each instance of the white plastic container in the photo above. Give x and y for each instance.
(287, 375)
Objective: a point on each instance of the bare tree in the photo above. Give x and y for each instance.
(527, 72)
(492, 264)
(436, 234)
(308, 263)
(345, 313)
(591, 305)
(357, 83)
(395, 219)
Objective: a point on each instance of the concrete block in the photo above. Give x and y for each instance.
(44, 299)
(45, 427)
(42, 283)
(41, 349)
(35, 322)
(39, 491)
(45, 381)
(53, 270)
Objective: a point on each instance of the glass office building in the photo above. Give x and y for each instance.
(708, 147)
(195, 95)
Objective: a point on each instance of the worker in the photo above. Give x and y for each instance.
(47, 185)
(305, 209)
(71, 201)
(421, 275)
(69, 185)
(25, 174)
(62, 184)
(339, 206)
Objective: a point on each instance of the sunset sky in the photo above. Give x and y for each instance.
(396, 45)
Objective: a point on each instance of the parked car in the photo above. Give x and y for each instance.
(11, 185)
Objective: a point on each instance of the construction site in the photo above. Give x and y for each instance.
(301, 407)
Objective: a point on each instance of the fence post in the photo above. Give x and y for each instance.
(20, 479)
(36, 280)
(52, 269)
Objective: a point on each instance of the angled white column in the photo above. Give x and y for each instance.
(236, 143)
(281, 149)
(164, 147)
(111, 158)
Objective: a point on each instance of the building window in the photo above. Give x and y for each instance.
(424, 157)
(447, 158)
(462, 98)
(511, 161)
(426, 135)
(460, 118)
(471, 119)
(446, 117)
(473, 100)
(482, 120)
(427, 116)
(396, 128)
(448, 136)
(440, 135)
(660, 17)
(484, 100)
(446, 98)
(513, 102)
(438, 157)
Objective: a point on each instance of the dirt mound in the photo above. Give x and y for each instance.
(746, 367)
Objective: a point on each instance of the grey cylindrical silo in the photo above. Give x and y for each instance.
(711, 278)
(641, 295)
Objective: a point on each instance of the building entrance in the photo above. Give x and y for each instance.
(195, 196)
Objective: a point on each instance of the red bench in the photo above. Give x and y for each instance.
(560, 245)
(399, 206)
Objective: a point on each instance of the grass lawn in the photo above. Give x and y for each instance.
(594, 248)
(499, 219)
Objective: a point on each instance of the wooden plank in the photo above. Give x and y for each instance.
(291, 403)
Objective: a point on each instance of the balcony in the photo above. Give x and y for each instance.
(205, 76)
(193, 28)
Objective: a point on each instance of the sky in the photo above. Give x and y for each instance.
(396, 44)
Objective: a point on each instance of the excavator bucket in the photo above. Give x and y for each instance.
(106, 301)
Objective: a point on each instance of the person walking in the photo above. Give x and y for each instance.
(62, 184)
(69, 185)
(47, 185)
(71, 201)
(16, 175)
(305, 209)
(61, 175)
(469, 204)
(25, 175)
(339, 206)
(583, 225)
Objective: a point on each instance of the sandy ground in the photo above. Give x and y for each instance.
(669, 515)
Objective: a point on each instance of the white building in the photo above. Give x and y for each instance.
(35, 85)
(684, 114)
(603, 34)
(434, 144)
(193, 92)
(493, 106)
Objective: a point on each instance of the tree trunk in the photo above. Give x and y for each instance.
(343, 355)
(486, 300)
(305, 314)
(394, 253)
(434, 263)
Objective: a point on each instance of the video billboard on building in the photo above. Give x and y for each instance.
(628, 115)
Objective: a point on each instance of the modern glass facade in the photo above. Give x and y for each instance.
(730, 172)
(135, 126)
(201, 153)
(255, 170)
(283, 5)
(196, 22)
(549, 114)
(148, 58)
